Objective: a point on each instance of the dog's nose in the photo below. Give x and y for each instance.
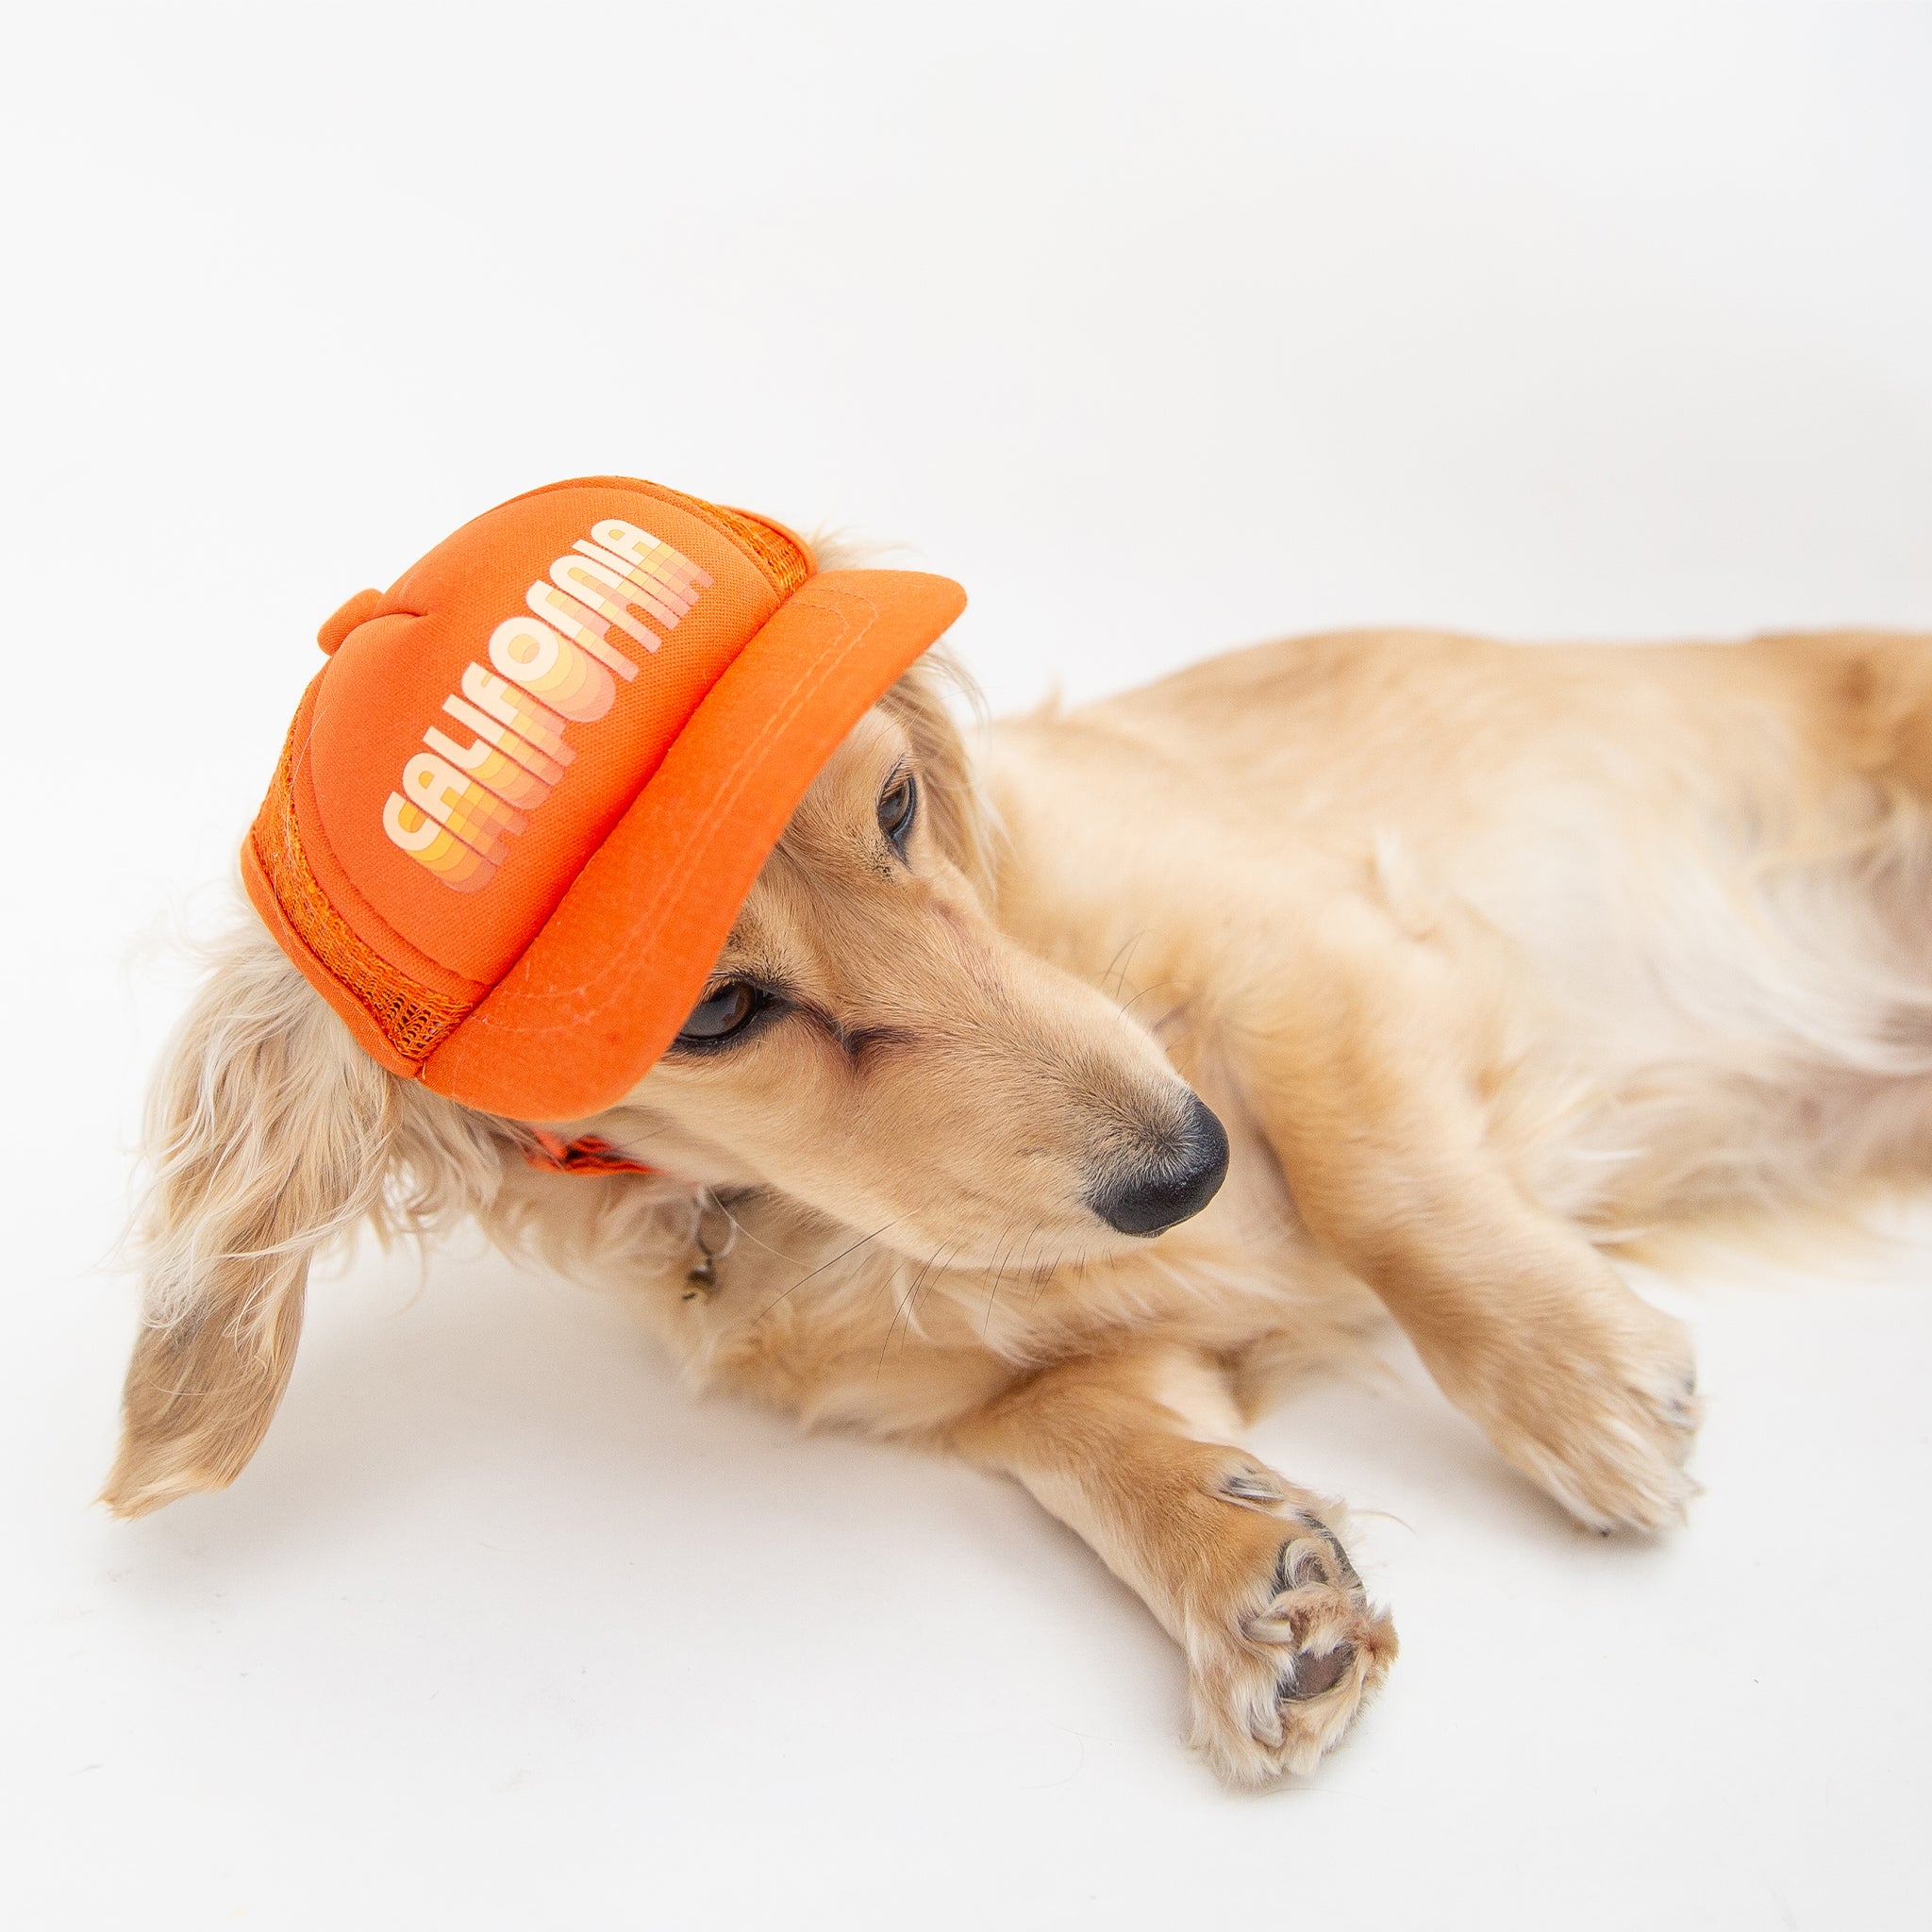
(1156, 1195)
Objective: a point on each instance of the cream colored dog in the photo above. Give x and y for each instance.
(1485, 956)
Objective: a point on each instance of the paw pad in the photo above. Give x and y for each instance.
(1310, 1676)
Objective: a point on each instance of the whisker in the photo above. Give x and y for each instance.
(1120, 960)
(902, 1304)
(938, 1275)
(993, 1292)
(738, 1227)
(1154, 987)
(904, 1307)
(997, 1272)
(824, 1265)
(1044, 1274)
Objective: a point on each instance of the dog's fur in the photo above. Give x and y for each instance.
(1488, 956)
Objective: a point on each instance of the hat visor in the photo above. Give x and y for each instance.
(603, 988)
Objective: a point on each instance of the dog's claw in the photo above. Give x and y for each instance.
(1287, 1684)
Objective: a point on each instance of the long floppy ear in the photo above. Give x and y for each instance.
(269, 1134)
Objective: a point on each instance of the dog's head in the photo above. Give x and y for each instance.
(871, 1043)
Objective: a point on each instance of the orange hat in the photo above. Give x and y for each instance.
(522, 802)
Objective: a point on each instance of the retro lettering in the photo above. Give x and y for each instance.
(636, 588)
(603, 592)
(433, 844)
(638, 547)
(582, 626)
(659, 580)
(549, 666)
(545, 767)
(460, 803)
(483, 762)
(522, 714)
(475, 815)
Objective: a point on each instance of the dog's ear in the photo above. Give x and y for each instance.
(961, 820)
(269, 1134)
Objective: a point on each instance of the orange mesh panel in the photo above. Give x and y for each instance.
(780, 558)
(411, 1018)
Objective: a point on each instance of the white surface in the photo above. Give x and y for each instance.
(1162, 330)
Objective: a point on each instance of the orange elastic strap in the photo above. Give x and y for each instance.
(553, 1153)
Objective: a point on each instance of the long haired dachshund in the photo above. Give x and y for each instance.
(1054, 1093)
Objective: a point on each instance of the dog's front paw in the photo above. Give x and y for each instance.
(1598, 1407)
(1279, 1680)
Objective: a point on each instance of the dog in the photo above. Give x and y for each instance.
(1062, 1084)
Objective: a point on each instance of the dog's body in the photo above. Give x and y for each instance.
(1486, 958)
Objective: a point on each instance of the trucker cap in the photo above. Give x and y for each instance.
(522, 802)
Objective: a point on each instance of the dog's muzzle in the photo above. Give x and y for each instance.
(1148, 1198)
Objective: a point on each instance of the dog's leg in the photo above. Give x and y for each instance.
(1241, 1567)
(1376, 1098)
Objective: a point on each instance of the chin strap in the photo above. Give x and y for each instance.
(553, 1153)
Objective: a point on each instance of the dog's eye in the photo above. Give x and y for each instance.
(725, 1009)
(898, 807)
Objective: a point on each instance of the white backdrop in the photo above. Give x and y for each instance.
(1163, 329)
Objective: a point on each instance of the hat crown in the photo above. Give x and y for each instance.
(524, 798)
(481, 725)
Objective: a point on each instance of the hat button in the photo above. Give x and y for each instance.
(359, 609)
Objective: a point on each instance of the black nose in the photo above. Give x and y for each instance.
(1156, 1194)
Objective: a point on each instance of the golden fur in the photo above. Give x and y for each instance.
(1488, 956)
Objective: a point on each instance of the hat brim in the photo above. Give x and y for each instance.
(602, 991)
